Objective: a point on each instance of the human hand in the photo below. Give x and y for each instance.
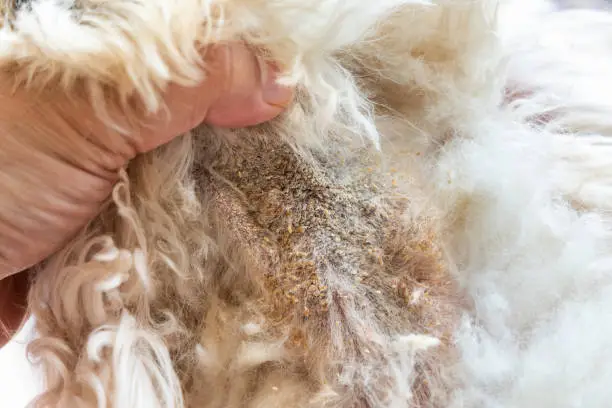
(59, 162)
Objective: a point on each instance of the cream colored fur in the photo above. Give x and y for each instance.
(427, 225)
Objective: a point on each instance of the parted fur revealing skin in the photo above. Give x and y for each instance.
(424, 227)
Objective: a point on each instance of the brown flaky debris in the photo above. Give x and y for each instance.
(333, 259)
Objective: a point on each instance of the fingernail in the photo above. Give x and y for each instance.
(273, 93)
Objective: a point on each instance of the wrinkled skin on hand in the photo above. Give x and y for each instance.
(60, 162)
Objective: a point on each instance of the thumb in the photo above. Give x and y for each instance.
(240, 90)
(250, 94)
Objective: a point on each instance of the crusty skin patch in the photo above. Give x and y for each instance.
(328, 238)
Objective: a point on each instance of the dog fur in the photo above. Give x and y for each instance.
(426, 226)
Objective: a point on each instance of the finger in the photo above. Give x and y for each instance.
(240, 90)
(253, 95)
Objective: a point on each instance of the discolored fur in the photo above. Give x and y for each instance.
(335, 262)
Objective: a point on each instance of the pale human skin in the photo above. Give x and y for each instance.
(58, 162)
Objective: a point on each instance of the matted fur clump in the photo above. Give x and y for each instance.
(415, 231)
